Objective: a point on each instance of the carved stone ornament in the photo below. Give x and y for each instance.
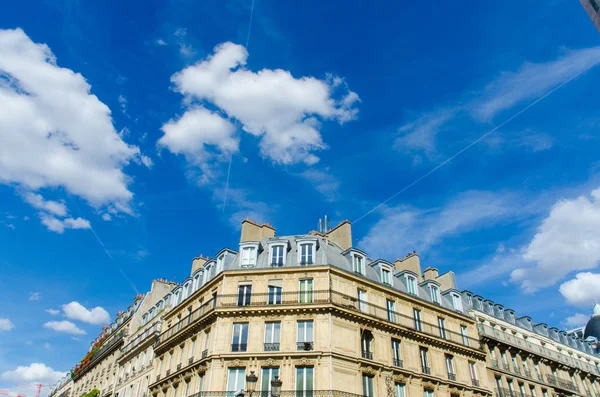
(155, 391)
(236, 363)
(187, 377)
(304, 362)
(369, 371)
(201, 369)
(428, 386)
(270, 363)
(165, 387)
(400, 379)
(454, 391)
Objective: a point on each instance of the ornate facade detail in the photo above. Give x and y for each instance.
(427, 385)
(400, 379)
(369, 371)
(270, 363)
(305, 362)
(454, 391)
(236, 363)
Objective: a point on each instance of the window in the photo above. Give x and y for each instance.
(277, 255)
(450, 367)
(268, 374)
(511, 389)
(305, 335)
(544, 393)
(442, 327)
(304, 381)
(532, 391)
(196, 282)
(239, 342)
(275, 289)
(411, 285)
(391, 310)
(367, 386)
(428, 393)
(473, 372)
(188, 289)
(385, 276)
(513, 358)
(464, 335)
(469, 300)
(424, 360)
(400, 390)
(362, 301)
(435, 294)
(235, 380)
(306, 291)
(272, 336)
(396, 353)
(249, 256)
(417, 318)
(456, 302)
(244, 294)
(522, 389)
(207, 271)
(359, 264)
(537, 370)
(366, 340)
(306, 253)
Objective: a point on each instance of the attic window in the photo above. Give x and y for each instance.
(456, 302)
(435, 294)
(411, 285)
(306, 252)
(249, 255)
(359, 264)
(277, 255)
(385, 276)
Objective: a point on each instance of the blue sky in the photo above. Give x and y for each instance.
(117, 136)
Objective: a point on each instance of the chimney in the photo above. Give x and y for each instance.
(252, 231)
(410, 262)
(198, 263)
(431, 273)
(341, 234)
(326, 228)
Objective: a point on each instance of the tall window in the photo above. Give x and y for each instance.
(305, 334)
(359, 264)
(192, 348)
(417, 318)
(465, 337)
(277, 255)
(304, 381)
(272, 336)
(424, 360)
(450, 367)
(207, 271)
(268, 374)
(456, 302)
(275, 289)
(396, 353)
(306, 253)
(306, 291)
(536, 366)
(400, 390)
(239, 342)
(428, 393)
(435, 294)
(362, 301)
(411, 285)
(442, 327)
(511, 389)
(248, 256)
(367, 386)
(515, 365)
(244, 294)
(367, 342)
(235, 380)
(532, 391)
(220, 263)
(391, 310)
(522, 389)
(385, 276)
(473, 372)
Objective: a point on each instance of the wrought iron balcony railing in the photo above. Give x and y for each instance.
(204, 353)
(239, 347)
(426, 370)
(150, 332)
(367, 354)
(451, 376)
(475, 382)
(305, 346)
(271, 347)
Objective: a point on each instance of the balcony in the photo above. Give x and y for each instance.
(157, 378)
(505, 366)
(451, 376)
(527, 373)
(562, 383)
(190, 360)
(149, 332)
(426, 370)
(178, 366)
(397, 363)
(494, 363)
(239, 347)
(204, 353)
(168, 372)
(367, 354)
(475, 382)
(307, 346)
(271, 347)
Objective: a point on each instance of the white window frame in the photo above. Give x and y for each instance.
(299, 244)
(275, 336)
(390, 306)
(240, 377)
(449, 364)
(305, 391)
(442, 327)
(417, 320)
(241, 326)
(473, 371)
(362, 300)
(368, 382)
(464, 334)
(358, 263)
(435, 294)
(411, 281)
(400, 390)
(221, 262)
(387, 271)
(207, 268)
(396, 349)
(248, 261)
(304, 331)
(283, 247)
(457, 302)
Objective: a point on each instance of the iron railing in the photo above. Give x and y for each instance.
(271, 347)
(397, 363)
(305, 346)
(451, 376)
(367, 354)
(204, 353)
(475, 382)
(239, 347)
(283, 393)
(426, 370)
(148, 333)
(190, 360)
(562, 383)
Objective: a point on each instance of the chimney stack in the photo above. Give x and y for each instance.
(430, 273)
(252, 231)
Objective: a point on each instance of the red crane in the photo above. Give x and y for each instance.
(13, 394)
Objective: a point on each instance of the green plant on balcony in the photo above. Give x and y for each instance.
(92, 393)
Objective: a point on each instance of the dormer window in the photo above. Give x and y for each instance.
(435, 294)
(221, 262)
(277, 255)
(411, 285)
(249, 255)
(144, 319)
(469, 300)
(386, 276)
(359, 264)
(456, 302)
(306, 253)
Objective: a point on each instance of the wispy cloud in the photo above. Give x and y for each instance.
(35, 296)
(64, 326)
(323, 181)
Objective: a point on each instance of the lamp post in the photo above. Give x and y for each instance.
(276, 387)
(251, 383)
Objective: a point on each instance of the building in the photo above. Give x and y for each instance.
(592, 7)
(62, 388)
(532, 360)
(136, 354)
(322, 317)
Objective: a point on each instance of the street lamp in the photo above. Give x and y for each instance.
(251, 381)
(276, 387)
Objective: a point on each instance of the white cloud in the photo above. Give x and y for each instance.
(566, 241)
(77, 311)
(323, 181)
(8, 225)
(34, 373)
(160, 42)
(6, 324)
(53, 131)
(52, 207)
(403, 229)
(64, 326)
(106, 217)
(531, 80)
(576, 320)
(147, 161)
(583, 290)
(53, 312)
(123, 104)
(59, 225)
(48, 346)
(35, 296)
(282, 111)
